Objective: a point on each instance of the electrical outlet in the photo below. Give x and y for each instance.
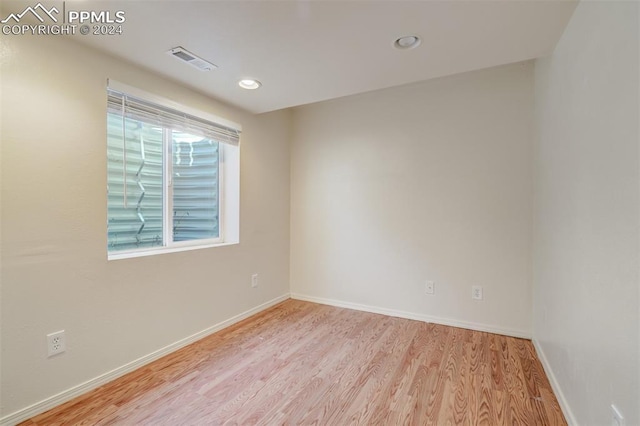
(617, 419)
(55, 343)
(476, 292)
(254, 280)
(430, 287)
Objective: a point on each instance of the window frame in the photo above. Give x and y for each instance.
(227, 206)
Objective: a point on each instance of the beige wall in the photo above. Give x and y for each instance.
(55, 273)
(426, 181)
(586, 213)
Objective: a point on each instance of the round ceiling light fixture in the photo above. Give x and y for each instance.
(249, 84)
(407, 42)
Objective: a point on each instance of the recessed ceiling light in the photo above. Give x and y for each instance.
(249, 84)
(407, 42)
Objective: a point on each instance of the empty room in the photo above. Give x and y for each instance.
(320, 212)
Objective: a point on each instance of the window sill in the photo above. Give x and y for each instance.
(164, 250)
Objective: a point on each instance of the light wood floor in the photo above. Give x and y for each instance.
(302, 363)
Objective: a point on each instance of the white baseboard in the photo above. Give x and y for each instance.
(69, 394)
(415, 316)
(557, 390)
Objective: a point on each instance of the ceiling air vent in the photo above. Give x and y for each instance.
(193, 60)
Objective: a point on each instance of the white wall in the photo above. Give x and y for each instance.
(426, 181)
(586, 213)
(55, 273)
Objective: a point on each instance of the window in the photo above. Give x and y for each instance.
(172, 178)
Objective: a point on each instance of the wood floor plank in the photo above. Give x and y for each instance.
(394, 395)
(304, 363)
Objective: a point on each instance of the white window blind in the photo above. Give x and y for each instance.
(141, 110)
